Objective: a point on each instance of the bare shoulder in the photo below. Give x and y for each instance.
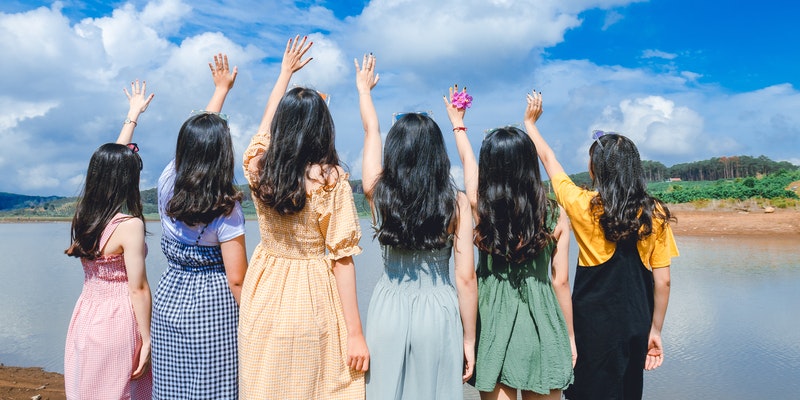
(129, 232)
(131, 228)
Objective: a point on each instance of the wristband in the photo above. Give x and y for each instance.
(459, 128)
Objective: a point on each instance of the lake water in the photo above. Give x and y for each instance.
(732, 329)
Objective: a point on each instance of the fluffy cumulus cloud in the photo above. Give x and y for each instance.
(63, 96)
(657, 125)
(440, 35)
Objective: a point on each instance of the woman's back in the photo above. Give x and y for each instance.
(417, 269)
(103, 332)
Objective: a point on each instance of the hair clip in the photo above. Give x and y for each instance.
(201, 112)
(135, 149)
(597, 134)
(396, 116)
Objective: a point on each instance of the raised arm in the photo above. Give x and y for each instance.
(223, 81)
(465, 153)
(138, 100)
(532, 113)
(292, 62)
(371, 168)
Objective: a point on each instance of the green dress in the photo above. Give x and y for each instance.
(522, 336)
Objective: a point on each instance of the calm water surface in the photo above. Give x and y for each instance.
(732, 329)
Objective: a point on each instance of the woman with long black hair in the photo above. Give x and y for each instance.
(300, 330)
(525, 339)
(108, 342)
(195, 309)
(420, 329)
(625, 247)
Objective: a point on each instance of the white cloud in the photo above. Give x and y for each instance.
(612, 17)
(656, 125)
(15, 111)
(652, 53)
(63, 97)
(330, 67)
(458, 31)
(691, 76)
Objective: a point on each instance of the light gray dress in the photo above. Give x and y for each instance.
(414, 332)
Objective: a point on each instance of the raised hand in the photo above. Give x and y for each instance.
(366, 78)
(454, 112)
(223, 81)
(138, 98)
(534, 109)
(221, 73)
(293, 56)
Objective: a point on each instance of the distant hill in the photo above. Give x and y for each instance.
(64, 207)
(10, 201)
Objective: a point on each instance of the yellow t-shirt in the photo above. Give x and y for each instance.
(655, 250)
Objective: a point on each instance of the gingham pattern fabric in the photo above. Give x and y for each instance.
(194, 326)
(292, 335)
(103, 336)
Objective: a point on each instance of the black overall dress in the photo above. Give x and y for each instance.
(612, 314)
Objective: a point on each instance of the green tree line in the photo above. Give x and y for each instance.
(715, 168)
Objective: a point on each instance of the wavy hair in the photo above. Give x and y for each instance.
(112, 186)
(513, 207)
(623, 206)
(414, 198)
(204, 181)
(303, 134)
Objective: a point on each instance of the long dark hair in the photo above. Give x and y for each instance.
(112, 186)
(414, 197)
(513, 207)
(302, 135)
(623, 206)
(204, 182)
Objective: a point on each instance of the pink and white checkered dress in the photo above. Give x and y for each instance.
(103, 337)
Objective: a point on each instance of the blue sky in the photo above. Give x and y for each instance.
(686, 80)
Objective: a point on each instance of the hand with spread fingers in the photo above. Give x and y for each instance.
(293, 56)
(221, 72)
(366, 78)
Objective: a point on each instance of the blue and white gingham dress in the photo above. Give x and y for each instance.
(193, 327)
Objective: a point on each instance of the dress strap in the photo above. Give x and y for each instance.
(110, 228)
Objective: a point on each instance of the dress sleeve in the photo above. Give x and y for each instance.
(258, 146)
(230, 226)
(665, 247)
(338, 219)
(571, 197)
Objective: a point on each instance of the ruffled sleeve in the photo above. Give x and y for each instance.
(258, 146)
(338, 218)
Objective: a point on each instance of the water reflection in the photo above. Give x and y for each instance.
(731, 330)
